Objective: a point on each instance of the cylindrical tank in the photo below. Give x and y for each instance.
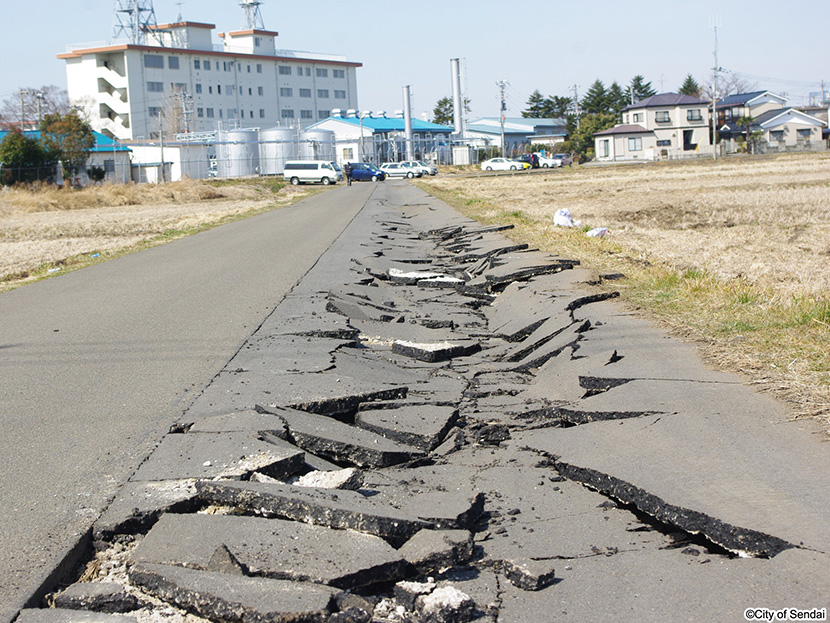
(276, 146)
(237, 153)
(318, 145)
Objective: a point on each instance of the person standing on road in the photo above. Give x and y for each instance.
(347, 171)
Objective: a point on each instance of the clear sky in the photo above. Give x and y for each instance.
(550, 46)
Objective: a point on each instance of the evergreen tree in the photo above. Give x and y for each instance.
(689, 87)
(616, 98)
(24, 159)
(596, 99)
(536, 106)
(639, 89)
(443, 112)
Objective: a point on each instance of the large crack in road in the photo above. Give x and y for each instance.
(448, 395)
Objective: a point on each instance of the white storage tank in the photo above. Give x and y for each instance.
(318, 145)
(276, 146)
(237, 153)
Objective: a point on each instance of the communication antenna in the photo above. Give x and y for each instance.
(253, 16)
(136, 18)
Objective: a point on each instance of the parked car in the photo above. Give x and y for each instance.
(565, 160)
(531, 159)
(423, 167)
(503, 164)
(546, 162)
(396, 169)
(312, 171)
(365, 171)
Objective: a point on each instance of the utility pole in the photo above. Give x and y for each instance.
(715, 71)
(576, 103)
(502, 84)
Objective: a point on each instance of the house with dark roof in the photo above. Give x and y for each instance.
(754, 104)
(667, 125)
(784, 129)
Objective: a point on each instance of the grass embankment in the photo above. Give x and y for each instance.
(46, 230)
(733, 255)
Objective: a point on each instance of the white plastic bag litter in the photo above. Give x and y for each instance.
(562, 218)
(597, 232)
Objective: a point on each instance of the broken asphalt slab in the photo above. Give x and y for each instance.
(342, 443)
(232, 598)
(273, 548)
(334, 509)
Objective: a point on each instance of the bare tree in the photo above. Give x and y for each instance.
(37, 103)
(728, 84)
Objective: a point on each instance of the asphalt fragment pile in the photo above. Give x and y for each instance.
(386, 447)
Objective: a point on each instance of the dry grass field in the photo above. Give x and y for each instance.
(733, 254)
(47, 230)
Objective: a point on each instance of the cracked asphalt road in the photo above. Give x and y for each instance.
(97, 364)
(522, 441)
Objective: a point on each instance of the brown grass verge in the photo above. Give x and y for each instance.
(732, 255)
(45, 231)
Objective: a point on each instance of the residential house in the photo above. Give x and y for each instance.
(784, 129)
(733, 107)
(667, 125)
(519, 133)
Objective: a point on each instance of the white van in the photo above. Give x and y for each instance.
(312, 172)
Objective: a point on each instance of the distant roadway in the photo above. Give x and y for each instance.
(95, 366)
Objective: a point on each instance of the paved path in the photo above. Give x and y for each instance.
(97, 364)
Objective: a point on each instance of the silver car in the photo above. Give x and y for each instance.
(423, 167)
(396, 169)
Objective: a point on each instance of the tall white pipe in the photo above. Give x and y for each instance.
(407, 120)
(457, 103)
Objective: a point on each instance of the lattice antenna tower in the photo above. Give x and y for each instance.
(136, 18)
(253, 16)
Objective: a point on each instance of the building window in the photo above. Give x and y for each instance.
(338, 73)
(153, 61)
(155, 87)
(664, 143)
(306, 114)
(323, 114)
(323, 93)
(259, 68)
(262, 113)
(603, 148)
(322, 73)
(200, 112)
(249, 69)
(154, 111)
(635, 144)
(305, 92)
(210, 90)
(694, 115)
(178, 87)
(207, 65)
(776, 135)
(197, 64)
(260, 91)
(257, 42)
(173, 62)
(285, 70)
(308, 72)
(198, 86)
(286, 92)
(804, 135)
(637, 117)
(339, 95)
(662, 116)
(348, 153)
(109, 166)
(287, 113)
(219, 89)
(209, 113)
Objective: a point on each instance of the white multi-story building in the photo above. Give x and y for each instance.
(178, 73)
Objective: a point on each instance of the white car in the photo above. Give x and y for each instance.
(423, 167)
(396, 169)
(549, 163)
(503, 164)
